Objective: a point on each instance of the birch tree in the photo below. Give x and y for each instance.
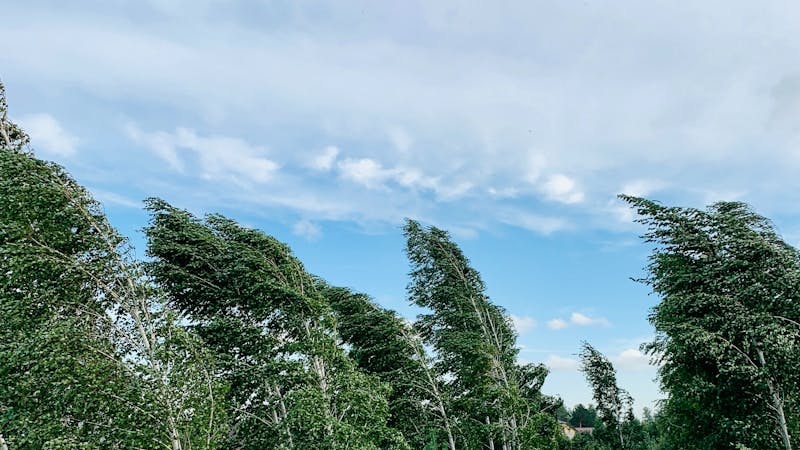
(384, 344)
(292, 385)
(727, 325)
(475, 349)
(614, 404)
(87, 353)
(56, 382)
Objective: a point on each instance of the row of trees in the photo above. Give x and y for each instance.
(222, 339)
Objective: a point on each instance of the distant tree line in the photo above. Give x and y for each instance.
(221, 339)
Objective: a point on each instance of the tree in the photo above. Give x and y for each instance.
(614, 404)
(56, 382)
(583, 416)
(563, 414)
(494, 402)
(291, 384)
(385, 345)
(727, 325)
(87, 353)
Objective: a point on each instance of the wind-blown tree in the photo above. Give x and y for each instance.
(494, 403)
(727, 325)
(384, 344)
(55, 388)
(74, 316)
(291, 384)
(614, 404)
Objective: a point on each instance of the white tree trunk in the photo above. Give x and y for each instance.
(434, 388)
(7, 142)
(777, 406)
(491, 438)
(3, 445)
(176, 440)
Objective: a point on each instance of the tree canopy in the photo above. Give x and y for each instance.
(727, 325)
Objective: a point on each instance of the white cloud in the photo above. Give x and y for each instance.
(578, 319)
(412, 178)
(523, 324)
(562, 188)
(641, 188)
(534, 165)
(531, 221)
(112, 198)
(48, 135)
(364, 171)
(572, 123)
(631, 359)
(508, 192)
(160, 143)
(584, 320)
(323, 162)
(620, 211)
(449, 192)
(218, 157)
(307, 229)
(372, 174)
(555, 362)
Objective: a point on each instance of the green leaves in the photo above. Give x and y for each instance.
(726, 336)
(614, 404)
(267, 319)
(60, 372)
(491, 400)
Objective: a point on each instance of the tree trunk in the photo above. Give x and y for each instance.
(174, 437)
(451, 441)
(7, 142)
(777, 405)
(491, 438)
(3, 445)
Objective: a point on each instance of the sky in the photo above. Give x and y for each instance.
(511, 124)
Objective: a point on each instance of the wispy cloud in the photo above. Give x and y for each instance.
(577, 319)
(555, 362)
(557, 324)
(625, 361)
(48, 136)
(631, 359)
(430, 122)
(523, 324)
(532, 221)
(307, 230)
(324, 160)
(562, 188)
(217, 156)
(112, 198)
(584, 320)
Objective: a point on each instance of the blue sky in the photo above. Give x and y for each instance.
(511, 124)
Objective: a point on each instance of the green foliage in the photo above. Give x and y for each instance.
(384, 345)
(88, 356)
(489, 398)
(583, 416)
(727, 325)
(291, 384)
(614, 404)
(61, 377)
(617, 427)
